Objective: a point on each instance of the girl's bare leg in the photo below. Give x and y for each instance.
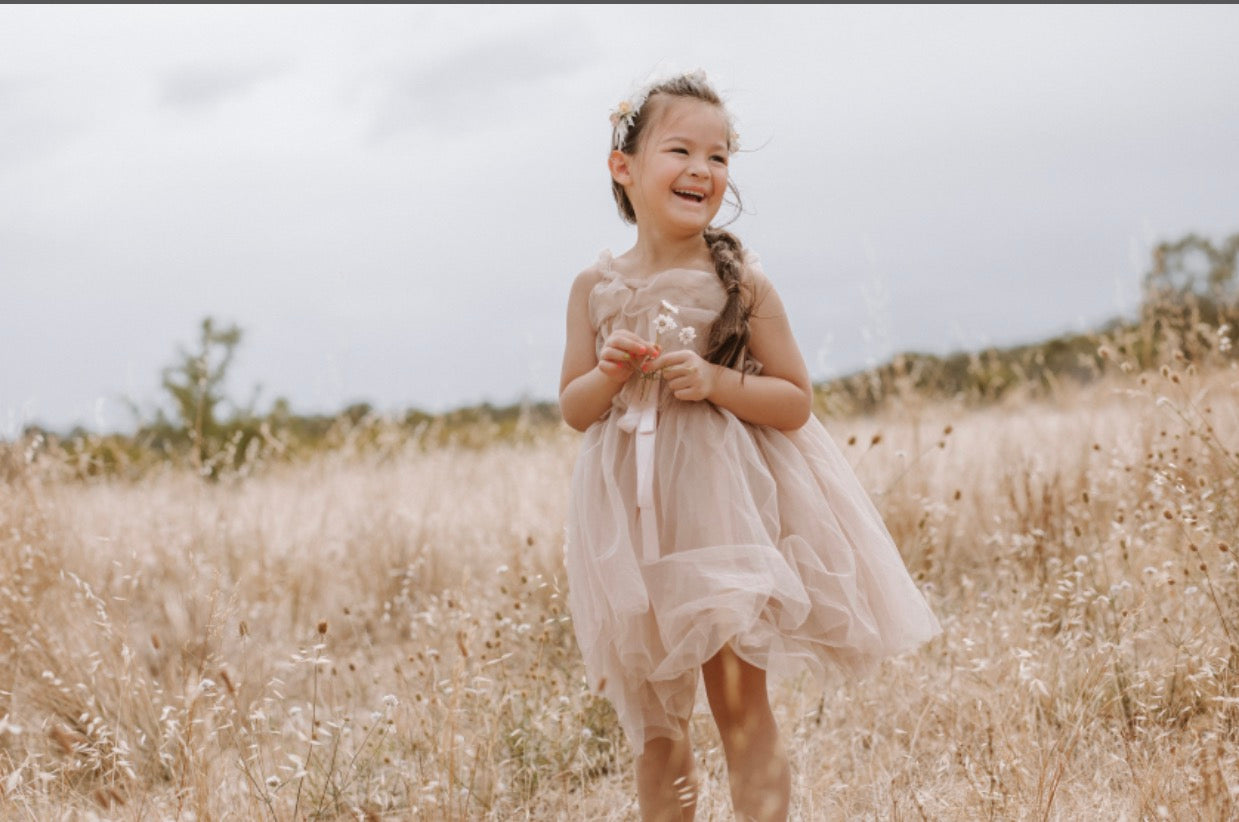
(667, 779)
(757, 766)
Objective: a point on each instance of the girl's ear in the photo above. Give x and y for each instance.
(618, 163)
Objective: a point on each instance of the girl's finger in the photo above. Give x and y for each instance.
(633, 349)
(627, 347)
(674, 358)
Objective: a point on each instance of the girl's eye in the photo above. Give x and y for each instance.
(680, 150)
(718, 158)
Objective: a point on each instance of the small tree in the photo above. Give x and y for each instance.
(1191, 296)
(195, 384)
(1194, 265)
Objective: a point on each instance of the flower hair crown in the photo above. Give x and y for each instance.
(625, 114)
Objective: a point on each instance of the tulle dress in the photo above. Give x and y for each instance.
(689, 529)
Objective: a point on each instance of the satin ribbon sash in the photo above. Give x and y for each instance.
(641, 419)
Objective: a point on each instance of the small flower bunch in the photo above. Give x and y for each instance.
(624, 115)
(664, 323)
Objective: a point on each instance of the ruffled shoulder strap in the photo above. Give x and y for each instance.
(606, 264)
(609, 293)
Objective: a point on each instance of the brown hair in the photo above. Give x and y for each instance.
(729, 335)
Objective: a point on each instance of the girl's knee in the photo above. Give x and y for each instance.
(657, 752)
(736, 689)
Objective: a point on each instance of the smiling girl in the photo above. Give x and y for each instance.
(715, 531)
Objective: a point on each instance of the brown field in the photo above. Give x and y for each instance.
(380, 633)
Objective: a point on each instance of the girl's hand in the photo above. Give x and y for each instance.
(687, 375)
(623, 352)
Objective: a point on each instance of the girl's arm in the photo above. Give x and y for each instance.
(587, 384)
(781, 396)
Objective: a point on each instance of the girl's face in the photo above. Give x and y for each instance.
(677, 178)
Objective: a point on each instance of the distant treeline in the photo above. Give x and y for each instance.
(1189, 306)
(1188, 312)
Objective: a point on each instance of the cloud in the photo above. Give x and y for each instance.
(199, 87)
(482, 83)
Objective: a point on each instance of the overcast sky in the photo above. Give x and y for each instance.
(391, 201)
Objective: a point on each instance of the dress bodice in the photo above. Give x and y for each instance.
(690, 297)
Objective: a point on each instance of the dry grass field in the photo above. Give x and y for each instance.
(380, 632)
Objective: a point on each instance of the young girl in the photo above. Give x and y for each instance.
(714, 527)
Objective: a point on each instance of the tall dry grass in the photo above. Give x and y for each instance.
(380, 633)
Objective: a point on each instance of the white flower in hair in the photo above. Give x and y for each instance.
(625, 114)
(621, 111)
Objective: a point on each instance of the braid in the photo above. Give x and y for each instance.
(729, 335)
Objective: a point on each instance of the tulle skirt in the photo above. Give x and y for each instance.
(757, 538)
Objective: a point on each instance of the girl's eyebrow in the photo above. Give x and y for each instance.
(675, 138)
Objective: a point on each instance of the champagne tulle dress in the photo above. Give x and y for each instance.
(689, 529)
